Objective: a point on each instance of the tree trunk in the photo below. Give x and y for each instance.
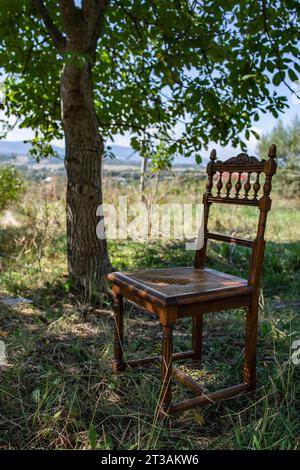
(143, 178)
(88, 259)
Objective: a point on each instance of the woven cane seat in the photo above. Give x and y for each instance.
(172, 283)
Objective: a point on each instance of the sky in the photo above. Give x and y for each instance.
(265, 124)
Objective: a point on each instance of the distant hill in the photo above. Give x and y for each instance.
(123, 155)
(9, 149)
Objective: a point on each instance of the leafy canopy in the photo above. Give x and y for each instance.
(287, 139)
(181, 71)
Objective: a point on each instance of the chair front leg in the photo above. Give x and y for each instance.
(118, 365)
(166, 371)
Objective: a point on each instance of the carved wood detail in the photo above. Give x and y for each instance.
(241, 159)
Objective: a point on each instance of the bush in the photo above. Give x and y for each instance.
(11, 186)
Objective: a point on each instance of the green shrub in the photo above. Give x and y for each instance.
(11, 186)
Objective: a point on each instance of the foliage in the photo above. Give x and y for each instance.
(11, 186)
(287, 139)
(159, 157)
(207, 65)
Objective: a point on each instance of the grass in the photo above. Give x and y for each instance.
(57, 390)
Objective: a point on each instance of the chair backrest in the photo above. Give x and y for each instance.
(229, 182)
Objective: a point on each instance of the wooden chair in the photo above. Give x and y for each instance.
(192, 291)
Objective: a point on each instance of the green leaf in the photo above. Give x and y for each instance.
(247, 77)
(277, 78)
(293, 76)
(57, 415)
(198, 159)
(108, 442)
(36, 395)
(211, 101)
(92, 434)
(256, 135)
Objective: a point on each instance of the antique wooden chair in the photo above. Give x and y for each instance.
(192, 291)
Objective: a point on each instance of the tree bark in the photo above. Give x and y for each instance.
(143, 178)
(88, 259)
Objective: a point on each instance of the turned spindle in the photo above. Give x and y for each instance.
(229, 185)
(256, 186)
(238, 185)
(220, 183)
(247, 186)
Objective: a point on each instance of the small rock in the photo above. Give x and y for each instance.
(9, 220)
(13, 301)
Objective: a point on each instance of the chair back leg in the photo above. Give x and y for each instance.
(250, 343)
(197, 332)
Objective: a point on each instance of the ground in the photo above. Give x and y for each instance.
(57, 390)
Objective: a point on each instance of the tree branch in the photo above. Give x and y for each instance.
(94, 13)
(83, 25)
(72, 17)
(57, 37)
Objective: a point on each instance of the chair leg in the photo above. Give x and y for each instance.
(166, 371)
(197, 337)
(250, 345)
(118, 365)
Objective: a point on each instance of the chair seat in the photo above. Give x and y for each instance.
(180, 285)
